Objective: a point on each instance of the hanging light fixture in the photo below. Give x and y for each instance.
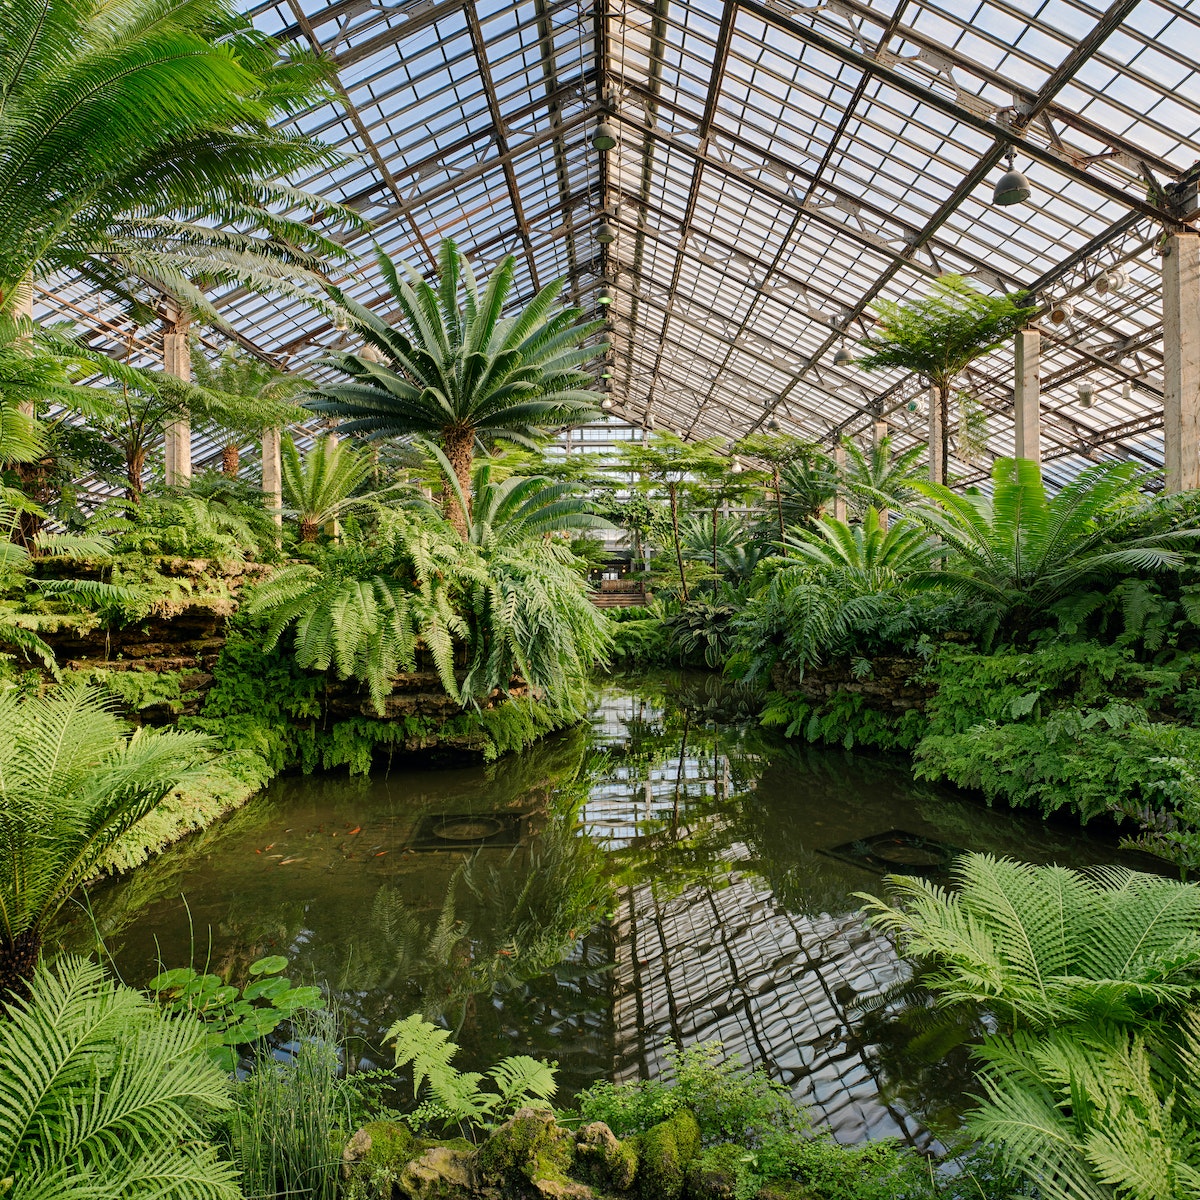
(604, 136)
(1061, 312)
(606, 233)
(606, 403)
(843, 357)
(606, 295)
(1127, 390)
(606, 373)
(1013, 187)
(773, 425)
(1109, 281)
(735, 465)
(1087, 393)
(341, 322)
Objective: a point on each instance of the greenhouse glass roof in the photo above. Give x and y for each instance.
(780, 165)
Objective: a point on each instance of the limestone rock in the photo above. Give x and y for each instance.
(603, 1158)
(530, 1154)
(441, 1173)
(354, 1151)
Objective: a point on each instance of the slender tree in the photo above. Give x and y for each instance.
(665, 460)
(456, 369)
(322, 483)
(939, 335)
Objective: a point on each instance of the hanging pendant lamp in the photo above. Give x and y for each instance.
(1013, 187)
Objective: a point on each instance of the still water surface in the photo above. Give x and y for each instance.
(667, 871)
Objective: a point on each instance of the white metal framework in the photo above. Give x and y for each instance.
(780, 165)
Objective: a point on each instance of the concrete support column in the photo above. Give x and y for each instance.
(333, 528)
(839, 497)
(272, 473)
(936, 466)
(880, 430)
(177, 361)
(1027, 417)
(1181, 360)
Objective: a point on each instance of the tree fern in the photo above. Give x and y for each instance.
(103, 1096)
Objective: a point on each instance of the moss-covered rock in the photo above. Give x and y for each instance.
(374, 1159)
(665, 1151)
(603, 1159)
(785, 1189)
(441, 1173)
(529, 1155)
(713, 1174)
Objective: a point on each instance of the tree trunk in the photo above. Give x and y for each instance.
(309, 530)
(134, 462)
(678, 546)
(944, 409)
(231, 459)
(18, 962)
(714, 545)
(459, 445)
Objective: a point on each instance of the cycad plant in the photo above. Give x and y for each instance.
(838, 580)
(1018, 550)
(248, 396)
(72, 781)
(939, 335)
(101, 1095)
(877, 477)
(139, 140)
(457, 369)
(1090, 1082)
(320, 485)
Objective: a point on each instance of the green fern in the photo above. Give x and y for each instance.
(457, 1097)
(102, 1096)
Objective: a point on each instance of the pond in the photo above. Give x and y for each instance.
(666, 872)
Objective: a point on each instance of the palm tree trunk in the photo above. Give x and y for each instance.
(714, 544)
(459, 446)
(678, 546)
(135, 461)
(308, 531)
(231, 459)
(18, 962)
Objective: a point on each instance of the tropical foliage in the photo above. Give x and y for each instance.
(102, 1095)
(320, 485)
(1090, 1082)
(141, 142)
(456, 369)
(504, 603)
(939, 335)
(72, 780)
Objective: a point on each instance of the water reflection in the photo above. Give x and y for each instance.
(670, 872)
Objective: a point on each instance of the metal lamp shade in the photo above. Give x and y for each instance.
(1013, 188)
(606, 233)
(843, 357)
(604, 137)
(605, 297)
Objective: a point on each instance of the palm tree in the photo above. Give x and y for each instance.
(103, 1095)
(248, 396)
(321, 485)
(861, 559)
(71, 783)
(1018, 550)
(138, 140)
(939, 335)
(456, 369)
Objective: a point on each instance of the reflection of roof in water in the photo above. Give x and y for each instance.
(735, 966)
